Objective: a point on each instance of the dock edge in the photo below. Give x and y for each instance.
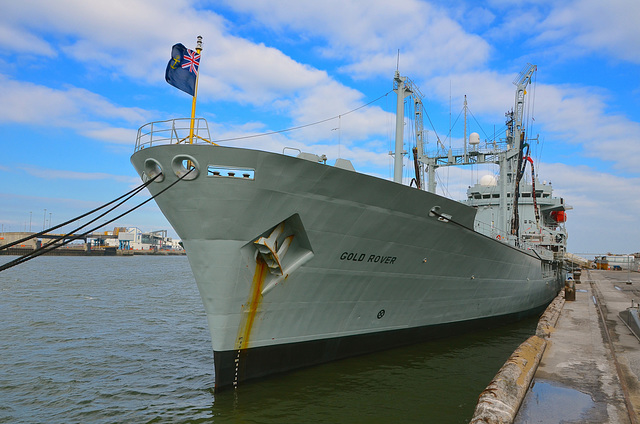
(500, 401)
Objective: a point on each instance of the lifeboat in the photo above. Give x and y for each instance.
(559, 216)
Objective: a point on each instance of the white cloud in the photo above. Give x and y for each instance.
(610, 28)
(604, 217)
(579, 116)
(112, 36)
(557, 31)
(22, 102)
(564, 114)
(20, 40)
(131, 37)
(235, 69)
(335, 100)
(114, 135)
(63, 174)
(488, 92)
(75, 108)
(367, 35)
(135, 38)
(96, 105)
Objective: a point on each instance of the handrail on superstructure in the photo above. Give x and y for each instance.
(172, 131)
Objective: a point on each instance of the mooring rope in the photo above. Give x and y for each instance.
(48, 230)
(50, 246)
(71, 235)
(449, 219)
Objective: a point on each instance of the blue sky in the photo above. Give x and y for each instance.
(77, 79)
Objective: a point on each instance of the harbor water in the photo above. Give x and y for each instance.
(125, 339)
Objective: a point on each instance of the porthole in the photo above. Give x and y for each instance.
(152, 168)
(182, 164)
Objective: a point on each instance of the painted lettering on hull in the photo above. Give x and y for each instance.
(367, 258)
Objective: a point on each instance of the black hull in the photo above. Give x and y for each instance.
(265, 361)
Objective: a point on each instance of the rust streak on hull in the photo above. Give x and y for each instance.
(249, 312)
(254, 301)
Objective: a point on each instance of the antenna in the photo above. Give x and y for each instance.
(398, 61)
(449, 113)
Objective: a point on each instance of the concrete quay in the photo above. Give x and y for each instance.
(590, 367)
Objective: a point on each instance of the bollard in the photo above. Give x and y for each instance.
(576, 275)
(569, 289)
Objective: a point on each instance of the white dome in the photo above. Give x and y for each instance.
(488, 180)
(474, 138)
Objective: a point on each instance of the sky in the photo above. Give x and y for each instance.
(78, 78)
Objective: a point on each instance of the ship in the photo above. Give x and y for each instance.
(300, 262)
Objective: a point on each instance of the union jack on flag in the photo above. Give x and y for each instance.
(191, 61)
(182, 69)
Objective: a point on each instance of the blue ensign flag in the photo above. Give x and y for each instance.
(182, 69)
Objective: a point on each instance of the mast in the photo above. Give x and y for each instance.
(465, 128)
(402, 92)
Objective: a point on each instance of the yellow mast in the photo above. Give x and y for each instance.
(195, 93)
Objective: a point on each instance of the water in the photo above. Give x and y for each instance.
(549, 402)
(125, 339)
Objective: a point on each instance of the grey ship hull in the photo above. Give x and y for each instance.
(367, 266)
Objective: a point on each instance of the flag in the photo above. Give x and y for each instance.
(182, 69)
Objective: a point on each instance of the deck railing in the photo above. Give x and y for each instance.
(172, 131)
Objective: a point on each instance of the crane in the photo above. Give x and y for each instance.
(515, 123)
(516, 135)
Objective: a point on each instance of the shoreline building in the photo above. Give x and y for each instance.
(132, 238)
(126, 240)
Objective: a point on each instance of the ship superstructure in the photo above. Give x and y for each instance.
(523, 214)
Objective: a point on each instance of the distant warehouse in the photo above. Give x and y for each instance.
(125, 240)
(132, 238)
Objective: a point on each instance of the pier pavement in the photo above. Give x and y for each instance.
(590, 368)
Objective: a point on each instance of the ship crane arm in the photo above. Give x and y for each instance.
(521, 82)
(517, 134)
